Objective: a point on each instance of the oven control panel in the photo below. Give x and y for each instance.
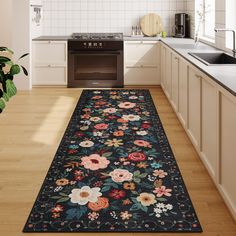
(92, 45)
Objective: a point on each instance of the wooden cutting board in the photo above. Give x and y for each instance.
(151, 24)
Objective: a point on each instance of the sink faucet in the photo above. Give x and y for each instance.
(233, 31)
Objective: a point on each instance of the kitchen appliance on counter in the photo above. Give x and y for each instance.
(182, 25)
(95, 60)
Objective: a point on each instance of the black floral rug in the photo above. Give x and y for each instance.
(114, 171)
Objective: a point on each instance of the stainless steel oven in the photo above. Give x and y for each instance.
(95, 63)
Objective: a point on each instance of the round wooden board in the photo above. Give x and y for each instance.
(151, 24)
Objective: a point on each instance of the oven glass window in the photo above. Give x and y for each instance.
(97, 66)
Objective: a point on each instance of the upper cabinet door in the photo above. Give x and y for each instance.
(50, 52)
(141, 53)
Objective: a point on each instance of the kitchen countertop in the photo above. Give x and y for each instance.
(52, 38)
(223, 75)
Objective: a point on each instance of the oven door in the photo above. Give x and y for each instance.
(95, 69)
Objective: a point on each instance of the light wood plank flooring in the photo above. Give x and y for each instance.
(31, 128)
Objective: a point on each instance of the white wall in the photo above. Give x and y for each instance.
(15, 34)
(6, 23)
(63, 17)
(21, 39)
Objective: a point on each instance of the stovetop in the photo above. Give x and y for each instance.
(97, 36)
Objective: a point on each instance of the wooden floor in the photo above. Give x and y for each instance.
(31, 128)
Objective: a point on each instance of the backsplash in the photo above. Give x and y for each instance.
(63, 17)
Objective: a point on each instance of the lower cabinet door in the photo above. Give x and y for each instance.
(209, 126)
(194, 107)
(168, 74)
(228, 149)
(141, 76)
(175, 82)
(43, 75)
(183, 92)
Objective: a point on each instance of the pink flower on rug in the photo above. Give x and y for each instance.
(137, 156)
(94, 162)
(121, 175)
(162, 191)
(110, 110)
(101, 126)
(127, 105)
(96, 97)
(160, 173)
(142, 143)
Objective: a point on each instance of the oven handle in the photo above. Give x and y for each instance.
(74, 52)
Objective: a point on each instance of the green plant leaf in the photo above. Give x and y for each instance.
(4, 59)
(15, 69)
(24, 70)
(2, 104)
(24, 55)
(6, 49)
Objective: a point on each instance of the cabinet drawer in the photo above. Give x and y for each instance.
(144, 53)
(54, 75)
(50, 52)
(141, 76)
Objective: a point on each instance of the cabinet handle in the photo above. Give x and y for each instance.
(49, 42)
(176, 58)
(49, 65)
(198, 76)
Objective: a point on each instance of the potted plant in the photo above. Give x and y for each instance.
(8, 69)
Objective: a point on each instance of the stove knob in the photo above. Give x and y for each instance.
(85, 45)
(95, 44)
(90, 44)
(100, 44)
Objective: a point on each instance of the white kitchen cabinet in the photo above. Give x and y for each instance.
(141, 63)
(227, 162)
(209, 125)
(175, 81)
(194, 106)
(168, 74)
(208, 114)
(163, 66)
(49, 63)
(183, 91)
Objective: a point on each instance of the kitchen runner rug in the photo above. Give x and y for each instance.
(114, 171)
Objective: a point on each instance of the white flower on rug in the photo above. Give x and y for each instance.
(121, 175)
(146, 199)
(97, 134)
(95, 119)
(161, 208)
(131, 117)
(84, 128)
(133, 97)
(127, 105)
(110, 110)
(84, 195)
(86, 143)
(142, 132)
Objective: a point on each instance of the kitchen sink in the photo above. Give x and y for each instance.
(215, 58)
